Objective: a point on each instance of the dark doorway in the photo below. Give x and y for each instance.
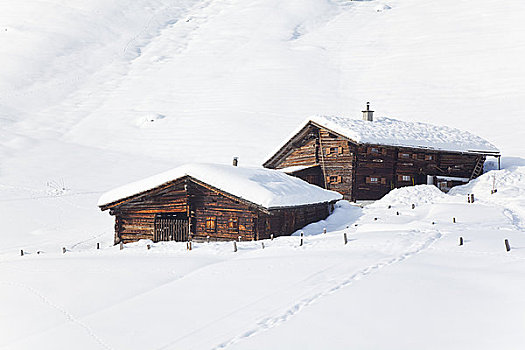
(171, 227)
(421, 179)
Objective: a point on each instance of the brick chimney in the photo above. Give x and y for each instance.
(368, 115)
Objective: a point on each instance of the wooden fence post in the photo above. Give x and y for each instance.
(472, 198)
(460, 240)
(148, 246)
(413, 206)
(262, 244)
(507, 245)
(21, 252)
(121, 245)
(98, 245)
(454, 220)
(345, 238)
(63, 250)
(302, 234)
(234, 246)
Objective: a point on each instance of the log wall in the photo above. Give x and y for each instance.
(135, 220)
(232, 218)
(366, 171)
(284, 222)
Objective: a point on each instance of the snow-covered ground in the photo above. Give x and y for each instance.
(96, 94)
(401, 282)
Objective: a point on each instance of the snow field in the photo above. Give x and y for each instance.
(395, 271)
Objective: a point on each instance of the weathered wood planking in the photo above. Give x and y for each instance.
(367, 171)
(189, 209)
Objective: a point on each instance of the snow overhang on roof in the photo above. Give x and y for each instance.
(397, 133)
(263, 187)
(296, 168)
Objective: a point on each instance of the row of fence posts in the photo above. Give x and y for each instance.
(189, 244)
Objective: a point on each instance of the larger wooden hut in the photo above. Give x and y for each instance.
(217, 202)
(365, 159)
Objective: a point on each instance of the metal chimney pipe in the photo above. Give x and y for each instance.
(368, 115)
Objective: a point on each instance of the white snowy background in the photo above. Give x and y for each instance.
(96, 94)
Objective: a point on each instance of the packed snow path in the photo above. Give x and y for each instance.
(407, 267)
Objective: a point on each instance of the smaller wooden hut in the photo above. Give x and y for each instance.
(216, 202)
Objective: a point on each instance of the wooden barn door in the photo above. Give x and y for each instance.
(171, 227)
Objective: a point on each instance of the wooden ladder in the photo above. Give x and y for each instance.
(478, 169)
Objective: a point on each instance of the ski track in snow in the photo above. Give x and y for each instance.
(276, 320)
(279, 316)
(70, 318)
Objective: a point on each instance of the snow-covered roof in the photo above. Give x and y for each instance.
(264, 187)
(295, 168)
(393, 132)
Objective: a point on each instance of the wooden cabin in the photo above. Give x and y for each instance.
(215, 202)
(365, 159)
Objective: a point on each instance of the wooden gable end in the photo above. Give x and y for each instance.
(301, 149)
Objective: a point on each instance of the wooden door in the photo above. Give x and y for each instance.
(171, 227)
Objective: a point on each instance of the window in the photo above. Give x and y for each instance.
(404, 178)
(334, 179)
(211, 223)
(233, 224)
(414, 156)
(375, 180)
(429, 157)
(333, 150)
(404, 155)
(376, 151)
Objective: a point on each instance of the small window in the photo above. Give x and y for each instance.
(333, 150)
(405, 178)
(211, 223)
(414, 156)
(376, 151)
(375, 180)
(233, 224)
(429, 157)
(334, 179)
(404, 155)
